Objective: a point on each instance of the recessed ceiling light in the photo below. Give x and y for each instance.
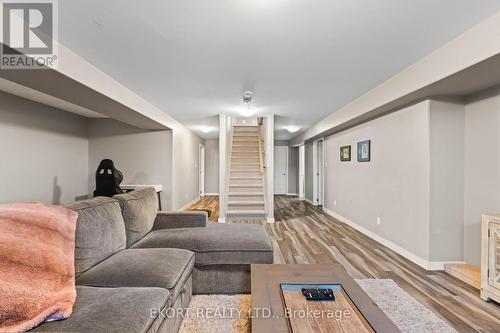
(292, 129)
(206, 129)
(248, 111)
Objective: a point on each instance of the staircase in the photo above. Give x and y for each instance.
(246, 178)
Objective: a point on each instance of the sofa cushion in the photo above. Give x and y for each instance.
(139, 209)
(217, 244)
(163, 268)
(110, 310)
(100, 231)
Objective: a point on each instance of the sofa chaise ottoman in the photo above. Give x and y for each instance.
(223, 252)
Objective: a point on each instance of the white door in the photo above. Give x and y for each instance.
(201, 180)
(302, 167)
(280, 170)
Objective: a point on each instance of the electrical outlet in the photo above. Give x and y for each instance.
(379, 221)
(335, 203)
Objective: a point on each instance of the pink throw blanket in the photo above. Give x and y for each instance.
(37, 269)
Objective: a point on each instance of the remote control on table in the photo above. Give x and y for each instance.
(318, 294)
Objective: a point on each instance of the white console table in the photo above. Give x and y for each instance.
(490, 257)
(131, 187)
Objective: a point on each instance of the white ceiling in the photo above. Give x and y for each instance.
(303, 58)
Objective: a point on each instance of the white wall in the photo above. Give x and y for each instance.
(293, 170)
(185, 168)
(225, 129)
(309, 172)
(212, 166)
(44, 153)
(144, 157)
(268, 134)
(482, 167)
(301, 172)
(447, 131)
(393, 186)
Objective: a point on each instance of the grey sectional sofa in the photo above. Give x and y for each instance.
(134, 263)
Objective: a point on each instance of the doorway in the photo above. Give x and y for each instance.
(319, 170)
(201, 163)
(280, 170)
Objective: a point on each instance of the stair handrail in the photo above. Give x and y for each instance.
(260, 121)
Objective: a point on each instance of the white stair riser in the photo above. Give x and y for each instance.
(246, 189)
(246, 133)
(246, 198)
(245, 128)
(245, 138)
(247, 181)
(234, 202)
(245, 166)
(248, 210)
(245, 212)
(245, 160)
(245, 154)
(245, 174)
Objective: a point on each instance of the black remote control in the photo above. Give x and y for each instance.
(318, 294)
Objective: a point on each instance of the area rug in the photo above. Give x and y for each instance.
(409, 315)
(217, 314)
(229, 313)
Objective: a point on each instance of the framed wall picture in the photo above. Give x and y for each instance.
(345, 153)
(364, 151)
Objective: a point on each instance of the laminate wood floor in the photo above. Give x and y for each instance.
(304, 234)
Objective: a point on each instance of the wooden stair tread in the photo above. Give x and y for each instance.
(466, 273)
(253, 145)
(246, 163)
(245, 178)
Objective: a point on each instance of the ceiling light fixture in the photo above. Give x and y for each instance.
(249, 110)
(292, 129)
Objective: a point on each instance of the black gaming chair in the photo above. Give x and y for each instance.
(107, 179)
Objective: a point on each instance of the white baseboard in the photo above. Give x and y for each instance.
(189, 204)
(309, 201)
(439, 265)
(428, 265)
(270, 220)
(293, 194)
(211, 194)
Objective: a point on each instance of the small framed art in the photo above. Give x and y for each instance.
(345, 153)
(364, 151)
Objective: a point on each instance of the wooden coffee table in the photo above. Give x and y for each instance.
(268, 302)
